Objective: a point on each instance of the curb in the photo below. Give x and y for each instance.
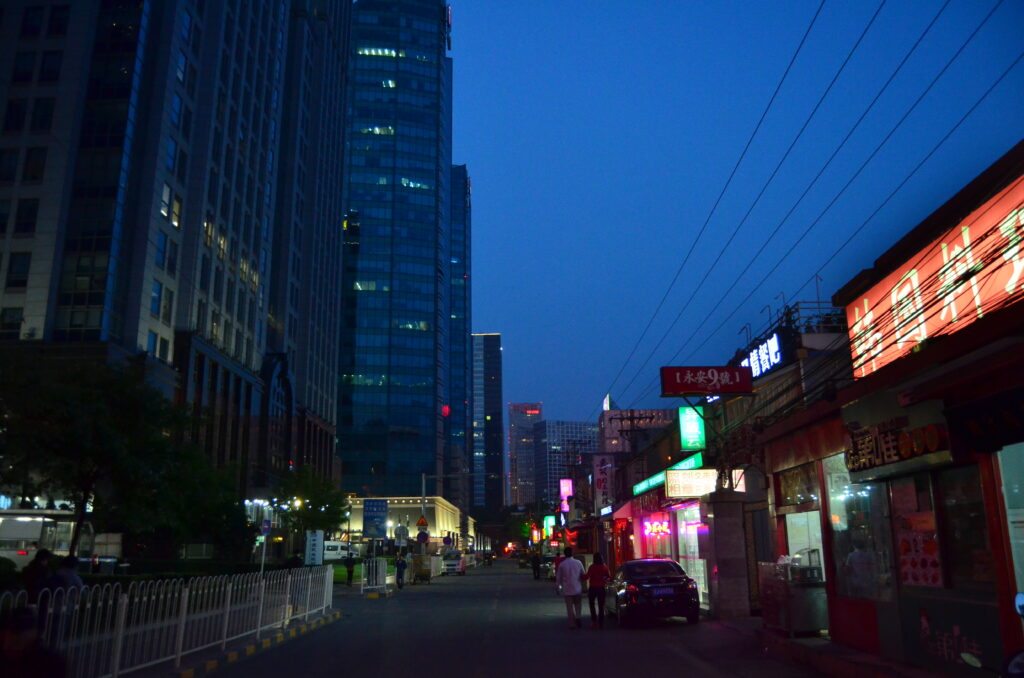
(249, 649)
(846, 664)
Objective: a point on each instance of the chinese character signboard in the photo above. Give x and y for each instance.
(314, 547)
(974, 268)
(564, 492)
(375, 518)
(765, 356)
(681, 381)
(691, 428)
(697, 483)
(603, 489)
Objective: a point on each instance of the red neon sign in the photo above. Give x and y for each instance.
(975, 267)
(656, 528)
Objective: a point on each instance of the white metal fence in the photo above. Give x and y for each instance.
(375, 575)
(112, 630)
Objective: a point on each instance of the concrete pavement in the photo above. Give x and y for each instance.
(495, 622)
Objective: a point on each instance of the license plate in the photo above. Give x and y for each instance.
(664, 591)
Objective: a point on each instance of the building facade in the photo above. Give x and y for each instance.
(488, 423)
(521, 418)
(140, 170)
(395, 323)
(458, 422)
(558, 447)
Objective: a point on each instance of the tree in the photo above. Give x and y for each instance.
(308, 501)
(100, 435)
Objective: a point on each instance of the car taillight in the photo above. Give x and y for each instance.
(632, 588)
(22, 553)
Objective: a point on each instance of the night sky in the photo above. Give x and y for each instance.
(599, 136)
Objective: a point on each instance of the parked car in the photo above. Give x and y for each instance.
(453, 562)
(653, 587)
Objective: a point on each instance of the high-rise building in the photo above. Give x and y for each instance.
(140, 164)
(458, 399)
(558, 446)
(397, 305)
(303, 333)
(521, 418)
(488, 424)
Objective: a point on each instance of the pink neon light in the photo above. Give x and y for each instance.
(656, 528)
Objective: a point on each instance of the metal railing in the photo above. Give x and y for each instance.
(375, 575)
(111, 630)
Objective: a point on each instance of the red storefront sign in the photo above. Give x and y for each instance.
(681, 381)
(974, 268)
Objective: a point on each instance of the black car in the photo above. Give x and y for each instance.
(653, 587)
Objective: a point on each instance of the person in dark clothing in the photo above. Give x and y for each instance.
(21, 653)
(350, 565)
(535, 564)
(36, 573)
(597, 576)
(400, 566)
(294, 561)
(66, 576)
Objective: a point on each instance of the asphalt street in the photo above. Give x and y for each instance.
(496, 622)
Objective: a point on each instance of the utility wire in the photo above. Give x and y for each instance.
(764, 188)
(728, 182)
(846, 186)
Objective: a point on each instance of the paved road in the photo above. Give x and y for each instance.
(497, 622)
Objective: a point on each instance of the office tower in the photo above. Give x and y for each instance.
(396, 317)
(558, 446)
(458, 424)
(488, 424)
(521, 418)
(303, 334)
(140, 164)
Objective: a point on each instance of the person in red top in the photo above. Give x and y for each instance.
(596, 577)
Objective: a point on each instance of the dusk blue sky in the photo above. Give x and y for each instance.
(599, 135)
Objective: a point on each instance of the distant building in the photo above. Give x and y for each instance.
(558, 447)
(488, 423)
(396, 315)
(521, 418)
(459, 379)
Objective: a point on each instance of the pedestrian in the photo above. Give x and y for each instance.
(36, 573)
(350, 565)
(400, 566)
(21, 652)
(535, 564)
(294, 561)
(569, 583)
(597, 576)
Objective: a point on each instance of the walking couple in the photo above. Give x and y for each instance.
(569, 580)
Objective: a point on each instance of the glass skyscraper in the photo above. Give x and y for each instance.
(396, 314)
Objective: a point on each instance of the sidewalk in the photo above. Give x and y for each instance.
(823, 655)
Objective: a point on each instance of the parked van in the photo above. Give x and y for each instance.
(336, 550)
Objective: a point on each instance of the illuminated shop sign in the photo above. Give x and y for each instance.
(691, 428)
(658, 479)
(765, 356)
(974, 268)
(549, 526)
(684, 381)
(656, 528)
(564, 492)
(696, 483)
(606, 511)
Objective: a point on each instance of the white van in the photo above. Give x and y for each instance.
(336, 550)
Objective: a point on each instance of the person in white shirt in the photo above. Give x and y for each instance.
(568, 581)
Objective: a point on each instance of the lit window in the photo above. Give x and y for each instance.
(390, 84)
(176, 211)
(382, 130)
(165, 202)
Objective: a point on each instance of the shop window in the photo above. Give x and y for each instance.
(962, 525)
(861, 534)
(916, 538)
(803, 537)
(1011, 468)
(797, 485)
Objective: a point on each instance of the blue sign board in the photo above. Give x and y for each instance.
(265, 527)
(423, 537)
(375, 518)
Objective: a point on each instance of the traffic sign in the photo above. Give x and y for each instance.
(265, 527)
(422, 522)
(446, 541)
(423, 537)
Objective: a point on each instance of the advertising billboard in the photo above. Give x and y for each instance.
(683, 381)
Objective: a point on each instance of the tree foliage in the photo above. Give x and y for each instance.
(100, 435)
(308, 501)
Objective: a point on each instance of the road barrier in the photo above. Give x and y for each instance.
(112, 630)
(375, 576)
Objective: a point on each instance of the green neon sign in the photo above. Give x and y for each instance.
(549, 526)
(694, 461)
(691, 428)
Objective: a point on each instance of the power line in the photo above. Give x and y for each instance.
(728, 182)
(846, 186)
